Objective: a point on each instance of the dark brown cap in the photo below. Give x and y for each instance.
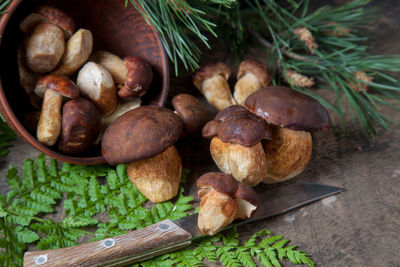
(257, 68)
(218, 181)
(61, 84)
(139, 134)
(282, 106)
(80, 126)
(209, 71)
(238, 125)
(59, 18)
(191, 111)
(250, 200)
(138, 78)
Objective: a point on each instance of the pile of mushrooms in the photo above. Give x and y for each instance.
(106, 86)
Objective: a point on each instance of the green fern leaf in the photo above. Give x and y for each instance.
(245, 258)
(24, 235)
(78, 221)
(185, 258)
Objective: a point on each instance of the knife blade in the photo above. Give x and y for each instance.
(167, 236)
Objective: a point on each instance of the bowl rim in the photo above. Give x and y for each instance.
(16, 125)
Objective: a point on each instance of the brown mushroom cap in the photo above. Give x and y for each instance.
(138, 78)
(257, 68)
(238, 125)
(139, 134)
(282, 106)
(191, 111)
(80, 126)
(58, 18)
(61, 84)
(209, 71)
(221, 182)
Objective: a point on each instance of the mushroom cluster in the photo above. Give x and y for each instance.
(73, 116)
(269, 138)
(144, 138)
(223, 200)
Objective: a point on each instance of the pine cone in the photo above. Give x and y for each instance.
(361, 75)
(305, 35)
(298, 79)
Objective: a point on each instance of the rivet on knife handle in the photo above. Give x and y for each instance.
(135, 246)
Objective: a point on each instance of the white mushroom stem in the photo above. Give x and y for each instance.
(78, 49)
(49, 125)
(245, 86)
(157, 177)
(287, 154)
(245, 209)
(114, 64)
(245, 164)
(217, 210)
(217, 92)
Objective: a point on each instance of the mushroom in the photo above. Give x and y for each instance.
(97, 84)
(252, 76)
(113, 63)
(44, 47)
(191, 111)
(212, 81)
(48, 14)
(292, 116)
(138, 78)
(223, 199)
(236, 144)
(78, 49)
(49, 125)
(28, 79)
(143, 139)
(80, 126)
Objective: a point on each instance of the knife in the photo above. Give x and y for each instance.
(167, 236)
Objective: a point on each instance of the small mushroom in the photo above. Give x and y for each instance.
(138, 78)
(236, 145)
(252, 76)
(292, 117)
(96, 83)
(28, 79)
(212, 81)
(191, 111)
(114, 64)
(78, 49)
(44, 47)
(143, 139)
(49, 125)
(48, 14)
(80, 126)
(223, 199)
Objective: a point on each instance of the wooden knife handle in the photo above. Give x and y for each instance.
(151, 241)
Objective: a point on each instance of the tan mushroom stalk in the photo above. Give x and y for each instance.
(114, 64)
(192, 113)
(212, 81)
(292, 116)
(143, 139)
(236, 144)
(223, 199)
(80, 126)
(49, 125)
(252, 76)
(96, 84)
(78, 49)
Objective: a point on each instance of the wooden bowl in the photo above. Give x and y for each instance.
(117, 29)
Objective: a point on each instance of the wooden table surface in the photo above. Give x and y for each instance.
(358, 227)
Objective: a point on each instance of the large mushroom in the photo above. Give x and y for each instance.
(292, 117)
(252, 76)
(223, 199)
(212, 81)
(236, 144)
(55, 88)
(143, 139)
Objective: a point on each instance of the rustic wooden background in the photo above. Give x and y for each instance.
(358, 227)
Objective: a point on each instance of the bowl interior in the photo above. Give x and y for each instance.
(116, 28)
